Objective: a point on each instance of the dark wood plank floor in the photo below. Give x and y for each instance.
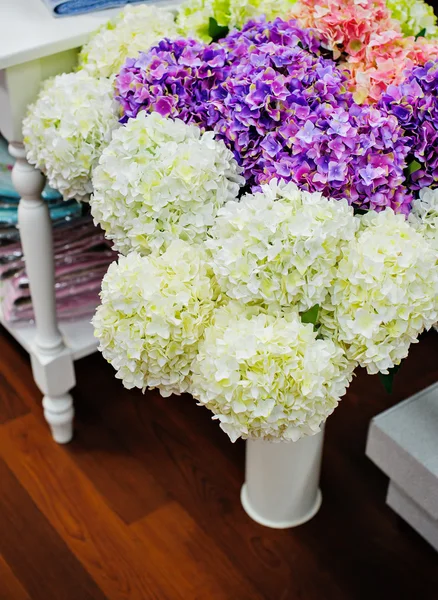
(144, 504)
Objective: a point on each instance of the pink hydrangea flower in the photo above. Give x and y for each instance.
(368, 42)
(347, 26)
(386, 64)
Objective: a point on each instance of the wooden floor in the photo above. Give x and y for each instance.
(144, 504)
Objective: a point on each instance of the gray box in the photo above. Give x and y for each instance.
(413, 514)
(403, 442)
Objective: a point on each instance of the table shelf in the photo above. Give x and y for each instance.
(78, 335)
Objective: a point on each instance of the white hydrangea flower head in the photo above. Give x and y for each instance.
(414, 16)
(194, 15)
(160, 179)
(67, 128)
(265, 374)
(135, 29)
(385, 293)
(241, 12)
(424, 218)
(193, 19)
(152, 315)
(424, 215)
(280, 245)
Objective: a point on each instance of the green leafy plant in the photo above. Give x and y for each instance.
(388, 380)
(216, 31)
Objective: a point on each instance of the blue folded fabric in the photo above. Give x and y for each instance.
(58, 209)
(64, 8)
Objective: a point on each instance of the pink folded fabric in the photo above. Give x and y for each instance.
(82, 257)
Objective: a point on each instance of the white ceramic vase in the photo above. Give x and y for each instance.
(281, 488)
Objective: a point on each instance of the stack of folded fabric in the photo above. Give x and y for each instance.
(61, 8)
(82, 255)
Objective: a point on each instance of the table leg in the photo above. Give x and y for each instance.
(52, 363)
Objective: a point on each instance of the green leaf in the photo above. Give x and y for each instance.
(360, 211)
(216, 31)
(388, 380)
(311, 315)
(413, 166)
(421, 34)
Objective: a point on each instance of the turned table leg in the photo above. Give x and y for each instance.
(52, 363)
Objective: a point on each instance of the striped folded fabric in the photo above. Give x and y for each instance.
(64, 8)
(82, 256)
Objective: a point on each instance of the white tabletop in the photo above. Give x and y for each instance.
(28, 30)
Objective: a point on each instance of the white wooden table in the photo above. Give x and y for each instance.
(34, 46)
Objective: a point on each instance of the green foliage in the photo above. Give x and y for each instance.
(311, 315)
(413, 166)
(388, 380)
(216, 31)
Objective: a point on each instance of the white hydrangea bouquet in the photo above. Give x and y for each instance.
(257, 294)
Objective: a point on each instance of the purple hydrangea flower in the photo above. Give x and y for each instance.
(175, 79)
(279, 32)
(415, 105)
(286, 112)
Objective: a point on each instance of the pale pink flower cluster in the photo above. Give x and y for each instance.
(368, 41)
(347, 26)
(386, 64)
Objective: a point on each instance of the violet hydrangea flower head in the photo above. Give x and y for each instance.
(260, 31)
(173, 78)
(415, 105)
(286, 113)
(176, 78)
